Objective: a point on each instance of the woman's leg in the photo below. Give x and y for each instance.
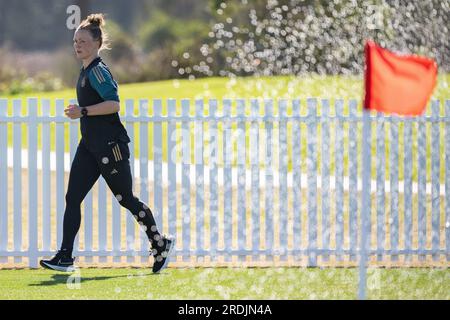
(115, 169)
(83, 174)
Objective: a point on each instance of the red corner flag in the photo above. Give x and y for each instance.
(400, 84)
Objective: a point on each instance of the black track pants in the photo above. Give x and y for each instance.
(111, 160)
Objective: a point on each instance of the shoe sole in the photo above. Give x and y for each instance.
(169, 253)
(57, 268)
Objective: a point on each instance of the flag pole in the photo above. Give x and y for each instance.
(365, 204)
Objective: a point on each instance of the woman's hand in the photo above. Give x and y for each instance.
(73, 111)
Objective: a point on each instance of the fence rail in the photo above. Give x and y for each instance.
(262, 180)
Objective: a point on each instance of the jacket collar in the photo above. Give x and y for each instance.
(93, 63)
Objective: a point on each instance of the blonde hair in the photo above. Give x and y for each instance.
(94, 23)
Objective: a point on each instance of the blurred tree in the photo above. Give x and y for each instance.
(165, 39)
(160, 39)
(185, 9)
(272, 37)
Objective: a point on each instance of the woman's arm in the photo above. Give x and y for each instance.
(106, 107)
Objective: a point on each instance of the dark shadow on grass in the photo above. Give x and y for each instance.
(74, 278)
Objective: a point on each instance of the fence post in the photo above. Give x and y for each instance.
(282, 178)
(60, 185)
(241, 165)
(227, 178)
(421, 187)
(172, 154)
(365, 203)
(380, 195)
(268, 180)
(186, 178)
(435, 181)
(255, 188)
(157, 209)
(18, 173)
(407, 187)
(130, 220)
(325, 173)
(353, 179)
(46, 176)
(32, 182)
(3, 179)
(312, 182)
(297, 177)
(447, 180)
(339, 176)
(199, 177)
(394, 194)
(213, 161)
(143, 168)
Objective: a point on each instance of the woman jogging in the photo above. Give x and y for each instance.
(103, 149)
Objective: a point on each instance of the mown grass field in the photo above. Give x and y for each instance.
(322, 87)
(224, 283)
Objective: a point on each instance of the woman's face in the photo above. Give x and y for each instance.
(85, 46)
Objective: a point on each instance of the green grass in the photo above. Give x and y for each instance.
(329, 87)
(225, 283)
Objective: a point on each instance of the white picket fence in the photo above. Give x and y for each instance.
(268, 180)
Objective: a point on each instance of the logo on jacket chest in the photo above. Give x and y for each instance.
(83, 82)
